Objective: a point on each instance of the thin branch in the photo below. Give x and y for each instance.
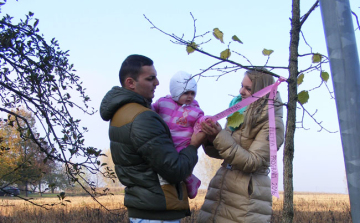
(186, 43)
(357, 20)
(314, 119)
(304, 17)
(267, 60)
(209, 68)
(243, 57)
(239, 65)
(302, 34)
(302, 121)
(32, 135)
(194, 27)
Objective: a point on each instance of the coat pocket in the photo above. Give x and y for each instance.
(176, 196)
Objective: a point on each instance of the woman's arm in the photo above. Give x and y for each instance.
(210, 150)
(258, 154)
(246, 160)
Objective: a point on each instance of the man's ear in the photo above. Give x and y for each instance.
(129, 83)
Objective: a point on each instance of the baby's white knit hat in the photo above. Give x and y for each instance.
(181, 83)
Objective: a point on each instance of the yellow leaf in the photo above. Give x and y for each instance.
(316, 58)
(225, 54)
(235, 38)
(267, 52)
(218, 34)
(235, 119)
(325, 76)
(303, 97)
(300, 79)
(190, 48)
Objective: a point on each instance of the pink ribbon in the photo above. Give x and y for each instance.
(272, 127)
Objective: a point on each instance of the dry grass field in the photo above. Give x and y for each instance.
(308, 208)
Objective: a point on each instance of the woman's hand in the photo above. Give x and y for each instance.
(210, 128)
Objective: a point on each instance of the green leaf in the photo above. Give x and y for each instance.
(90, 151)
(325, 76)
(300, 79)
(190, 48)
(218, 34)
(267, 52)
(303, 97)
(36, 22)
(225, 54)
(316, 58)
(235, 38)
(28, 133)
(235, 119)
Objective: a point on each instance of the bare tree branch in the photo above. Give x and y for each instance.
(357, 20)
(181, 41)
(315, 120)
(304, 17)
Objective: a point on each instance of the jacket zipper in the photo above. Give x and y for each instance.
(222, 180)
(221, 188)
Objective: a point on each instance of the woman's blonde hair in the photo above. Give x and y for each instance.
(259, 81)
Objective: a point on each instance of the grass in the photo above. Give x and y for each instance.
(307, 208)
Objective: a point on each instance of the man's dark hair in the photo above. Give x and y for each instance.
(131, 67)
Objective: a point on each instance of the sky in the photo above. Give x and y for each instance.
(101, 35)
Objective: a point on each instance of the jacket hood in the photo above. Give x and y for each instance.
(116, 98)
(180, 83)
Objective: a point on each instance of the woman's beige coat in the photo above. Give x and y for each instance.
(240, 190)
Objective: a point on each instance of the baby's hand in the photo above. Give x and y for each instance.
(197, 126)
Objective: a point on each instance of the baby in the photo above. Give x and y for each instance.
(181, 111)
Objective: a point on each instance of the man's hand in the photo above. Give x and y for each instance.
(197, 139)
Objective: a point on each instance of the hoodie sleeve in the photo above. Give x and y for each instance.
(152, 137)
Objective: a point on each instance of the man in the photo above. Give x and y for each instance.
(141, 147)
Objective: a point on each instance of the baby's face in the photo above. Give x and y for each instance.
(187, 98)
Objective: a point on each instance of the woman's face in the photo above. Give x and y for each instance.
(245, 89)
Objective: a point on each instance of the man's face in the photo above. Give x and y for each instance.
(146, 82)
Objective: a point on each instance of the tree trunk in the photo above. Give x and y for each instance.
(40, 188)
(26, 188)
(288, 209)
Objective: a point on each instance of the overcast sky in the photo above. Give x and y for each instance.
(101, 35)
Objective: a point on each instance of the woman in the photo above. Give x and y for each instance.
(240, 190)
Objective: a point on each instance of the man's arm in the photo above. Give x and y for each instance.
(152, 138)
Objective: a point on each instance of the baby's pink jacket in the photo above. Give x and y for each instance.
(180, 119)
